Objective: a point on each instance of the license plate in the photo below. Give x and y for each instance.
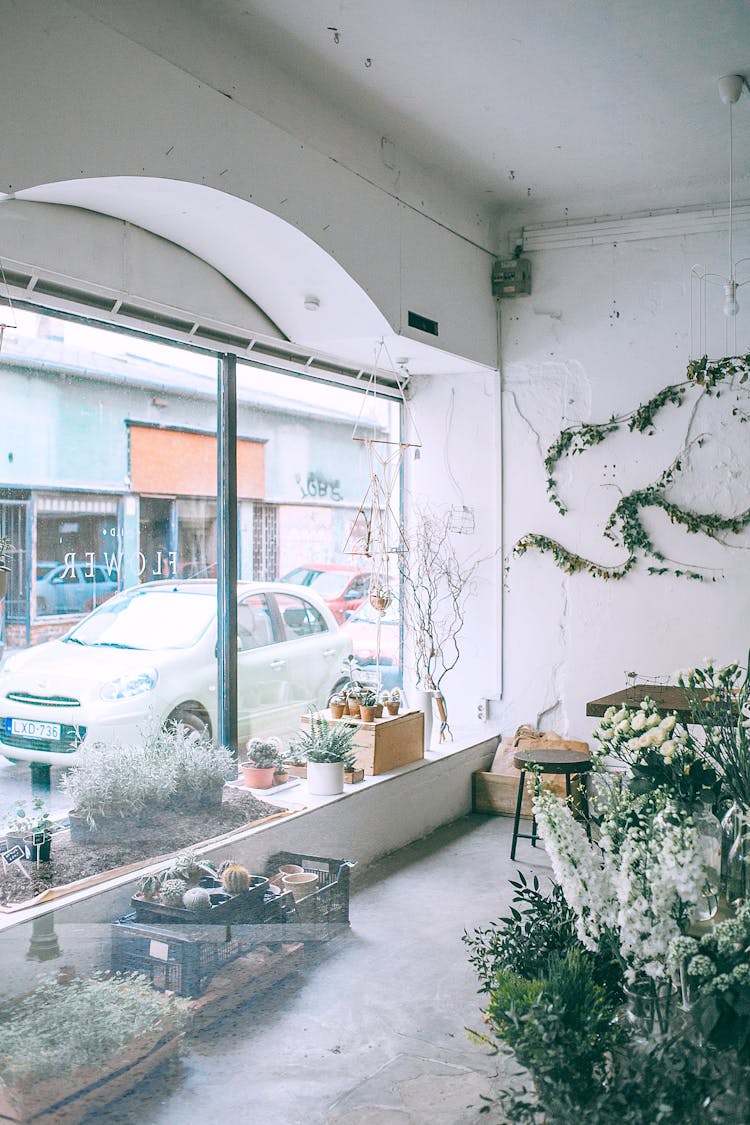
(32, 728)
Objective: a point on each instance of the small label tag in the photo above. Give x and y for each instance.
(159, 950)
(12, 854)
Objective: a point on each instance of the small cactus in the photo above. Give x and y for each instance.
(171, 891)
(236, 879)
(197, 899)
(148, 886)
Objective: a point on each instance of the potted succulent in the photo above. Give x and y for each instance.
(393, 704)
(328, 751)
(337, 705)
(264, 756)
(6, 550)
(367, 703)
(352, 701)
(32, 831)
(380, 597)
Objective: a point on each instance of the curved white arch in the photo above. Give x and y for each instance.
(274, 263)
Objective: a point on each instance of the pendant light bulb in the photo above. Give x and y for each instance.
(730, 306)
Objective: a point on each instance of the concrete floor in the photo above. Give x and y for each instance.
(373, 1031)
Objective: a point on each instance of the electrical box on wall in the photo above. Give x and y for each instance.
(511, 277)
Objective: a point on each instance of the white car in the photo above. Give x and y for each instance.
(149, 654)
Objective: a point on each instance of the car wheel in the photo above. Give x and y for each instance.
(192, 716)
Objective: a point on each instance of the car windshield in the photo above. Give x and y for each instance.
(148, 619)
(325, 583)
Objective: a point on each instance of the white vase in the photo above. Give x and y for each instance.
(325, 779)
(423, 700)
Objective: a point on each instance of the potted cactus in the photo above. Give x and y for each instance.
(367, 704)
(337, 705)
(393, 704)
(264, 756)
(6, 550)
(352, 701)
(328, 751)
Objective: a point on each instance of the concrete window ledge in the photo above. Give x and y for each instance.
(369, 820)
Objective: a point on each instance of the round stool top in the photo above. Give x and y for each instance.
(553, 761)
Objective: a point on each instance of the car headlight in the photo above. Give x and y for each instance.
(132, 683)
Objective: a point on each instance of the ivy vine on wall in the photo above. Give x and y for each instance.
(625, 526)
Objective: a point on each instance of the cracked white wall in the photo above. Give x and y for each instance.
(605, 328)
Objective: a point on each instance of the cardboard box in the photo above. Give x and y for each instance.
(385, 744)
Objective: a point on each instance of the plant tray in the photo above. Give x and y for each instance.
(180, 959)
(384, 744)
(68, 1098)
(233, 908)
(324, 913)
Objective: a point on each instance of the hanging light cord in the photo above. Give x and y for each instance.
(731, 200)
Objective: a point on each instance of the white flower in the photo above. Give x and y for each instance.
(606, 734)
(609, 714)
(668, 723)
(623, 726)
(653, 720)
(620, 715)
(668, 749)
(656, 736)
(638, 721)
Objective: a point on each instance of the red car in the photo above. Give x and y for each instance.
(342, 588)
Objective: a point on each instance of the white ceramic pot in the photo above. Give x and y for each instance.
(325, 779)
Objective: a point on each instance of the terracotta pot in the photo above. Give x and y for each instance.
(378, 710)
(337, 710)
(353, 707)
(367, 714)
(301, 884)
(255, 778)
(393, 708)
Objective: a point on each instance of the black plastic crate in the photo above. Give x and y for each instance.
(226, 908)
(181, 959)
(317, 916)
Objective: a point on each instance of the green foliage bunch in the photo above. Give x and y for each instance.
(64, 1025)
(625, 525)
(557, 1008)
(112, 779)
(324, 742)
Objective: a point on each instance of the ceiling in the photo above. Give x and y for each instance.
(551, 108)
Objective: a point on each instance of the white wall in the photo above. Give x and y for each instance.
(83, 100)
(605, 328)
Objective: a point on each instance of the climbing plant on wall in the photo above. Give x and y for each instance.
(625, 526)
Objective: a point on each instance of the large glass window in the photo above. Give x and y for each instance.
(112, 497)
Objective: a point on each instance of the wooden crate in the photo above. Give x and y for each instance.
(384, 744)
(498, 792)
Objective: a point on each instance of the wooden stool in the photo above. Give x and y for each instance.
(569, 763)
